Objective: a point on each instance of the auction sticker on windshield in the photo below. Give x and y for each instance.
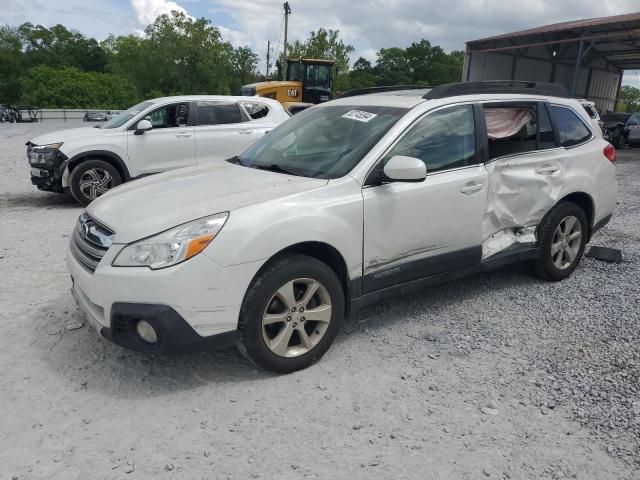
(360, 115)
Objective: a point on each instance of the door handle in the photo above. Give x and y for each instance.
(245, 132)
(549, 170)
(469, 189)
(183, 135)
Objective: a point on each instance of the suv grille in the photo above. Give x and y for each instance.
(89, 242)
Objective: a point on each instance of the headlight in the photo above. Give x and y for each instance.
(44, 153)
(172, 246)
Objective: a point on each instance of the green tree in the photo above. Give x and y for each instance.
(70, 87)
(362, 75)
(419, 64)
(244, 62)
(11, 64)
(431, 65)
(392, 67)
(58, 47)
(629, 100)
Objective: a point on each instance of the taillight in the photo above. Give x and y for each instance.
(610, 153)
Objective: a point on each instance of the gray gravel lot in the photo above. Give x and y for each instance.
(498, 375)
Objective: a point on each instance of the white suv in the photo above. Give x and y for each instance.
(151, 137)
(344, 204)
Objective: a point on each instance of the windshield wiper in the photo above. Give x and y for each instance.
(236, 160)
(277, 168)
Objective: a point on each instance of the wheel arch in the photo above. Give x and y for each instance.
(326, 254)
(104, 155)
(584, 201)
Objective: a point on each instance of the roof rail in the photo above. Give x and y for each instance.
(391, 88)
(497, 86)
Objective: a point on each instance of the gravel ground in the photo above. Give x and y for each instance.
(498, 375)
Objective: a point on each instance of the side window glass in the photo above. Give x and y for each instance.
(256, 110)
(443, 140)
(590, 111)
(218, 113)
(571, 130)
(157, 117)
(511, 129)
(169, 116)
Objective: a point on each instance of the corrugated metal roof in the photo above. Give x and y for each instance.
(572, 26)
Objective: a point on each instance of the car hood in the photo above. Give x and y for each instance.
(70, 134)
(153, 204)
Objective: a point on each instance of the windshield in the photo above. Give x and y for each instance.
(127, 115)
(322, 142)
(318, 76)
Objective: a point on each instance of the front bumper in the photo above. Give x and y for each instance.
(192, 304)
(47, 176)
(46, 179)
(174, 334)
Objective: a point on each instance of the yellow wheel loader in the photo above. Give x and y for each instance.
(307, 82)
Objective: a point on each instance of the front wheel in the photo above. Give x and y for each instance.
(92, 178)
(562, 240)
(291, 314)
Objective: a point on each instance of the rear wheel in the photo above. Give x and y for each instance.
(92, 178)
(563, 237)
(291, 314)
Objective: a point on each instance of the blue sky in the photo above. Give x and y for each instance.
(368, 25)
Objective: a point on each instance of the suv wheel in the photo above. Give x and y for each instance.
(563, 237)
(91, 179)
(290, 314)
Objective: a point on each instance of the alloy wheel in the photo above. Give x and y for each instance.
(297, 317)
(566, 242)
(94, 182)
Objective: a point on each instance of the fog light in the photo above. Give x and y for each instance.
(146, 331)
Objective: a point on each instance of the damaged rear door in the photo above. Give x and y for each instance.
(414, 230)
(526, 173)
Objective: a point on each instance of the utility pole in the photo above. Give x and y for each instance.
(287, 12)
(268, 56)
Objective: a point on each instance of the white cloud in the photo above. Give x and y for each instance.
(374, 24)
(148, 10)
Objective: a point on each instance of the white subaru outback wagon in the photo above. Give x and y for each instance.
(346, 203)
(154, 136)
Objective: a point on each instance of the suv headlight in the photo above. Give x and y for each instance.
(172, 246)
(44, 153)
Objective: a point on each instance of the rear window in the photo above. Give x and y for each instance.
(256, 110)
(590, 110)
(571, 129)
(218, 113)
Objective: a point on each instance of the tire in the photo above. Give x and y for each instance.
(265, 300)
(92, 178)
(560, 245)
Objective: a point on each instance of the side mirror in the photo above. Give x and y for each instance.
(405, 169)
(143, 126)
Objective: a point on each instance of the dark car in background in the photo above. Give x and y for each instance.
(95, 117)
(7, 114)
(621, 128)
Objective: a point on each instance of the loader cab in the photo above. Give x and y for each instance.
(315, 76)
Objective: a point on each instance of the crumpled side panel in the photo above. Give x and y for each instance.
(518, 197)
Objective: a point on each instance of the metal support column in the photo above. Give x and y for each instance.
(576, 75)
(615, 105)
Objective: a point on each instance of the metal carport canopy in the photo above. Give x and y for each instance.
(587, 56)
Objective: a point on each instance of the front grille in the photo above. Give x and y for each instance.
(89, 242)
